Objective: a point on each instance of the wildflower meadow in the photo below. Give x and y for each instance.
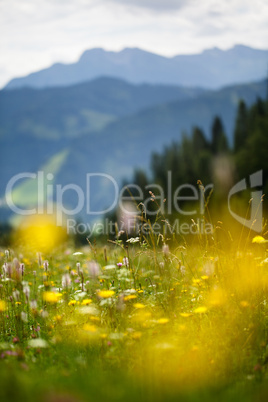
(138, 318)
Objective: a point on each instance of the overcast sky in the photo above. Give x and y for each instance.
(36, 33)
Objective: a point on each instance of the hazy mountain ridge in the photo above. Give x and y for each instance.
(168, 121)
(81, 108)
(118, 146)
(213, 68)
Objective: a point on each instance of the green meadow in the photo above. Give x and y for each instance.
(134, 319)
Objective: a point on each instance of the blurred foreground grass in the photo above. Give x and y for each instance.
(135, 320)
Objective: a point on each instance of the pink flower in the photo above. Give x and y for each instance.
(45, 265)
(66, 281)
(93, 268)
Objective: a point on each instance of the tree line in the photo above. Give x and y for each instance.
(213, 158)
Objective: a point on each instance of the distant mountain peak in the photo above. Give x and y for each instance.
(131, 50)
(137, 50)
(89, 52)
(213, 68)
(214, 49)
(243, 50)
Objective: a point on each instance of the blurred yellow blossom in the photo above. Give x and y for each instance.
(89, 328)
(130, 297)
(200, 310)
(51, 297)
(2, 305)
(105, 293)
(244, 303)
(136, 335)
(139, 305)
(163, 320)
(258, 240)
(86, 302)
(204, 277)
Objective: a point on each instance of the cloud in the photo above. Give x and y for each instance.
(37, 33)
(155, 5)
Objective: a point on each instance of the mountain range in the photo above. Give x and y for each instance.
(81, 108)
(211, 69)
(109, 111)
(104, 126)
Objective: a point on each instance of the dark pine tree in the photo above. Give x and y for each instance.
(199, 140)
(219, 143)
(241, 127)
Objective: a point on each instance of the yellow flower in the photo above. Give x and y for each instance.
(185, 315)
(130, 297)
(163, 320)
(200, 310)
(136, 335)
(258, 240)
(103, 336)
(139, 305)
(105, 293)
(204, 277)
(89, 328)
(72, 302)
(2, 306)
(244, 303)
(93, 318)
(51, 297)
(86, 302)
